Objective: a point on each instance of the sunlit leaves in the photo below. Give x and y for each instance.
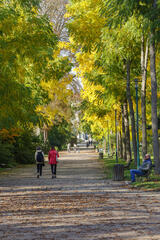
(28, 56)
(85, 23)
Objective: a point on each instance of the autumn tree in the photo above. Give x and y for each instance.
(119, 12)
(33, 73)
(102, 56)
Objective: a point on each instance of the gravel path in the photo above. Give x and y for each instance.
(79, 204)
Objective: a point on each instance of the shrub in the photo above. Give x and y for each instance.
(25, 146)
(6, 155)
(60, 134)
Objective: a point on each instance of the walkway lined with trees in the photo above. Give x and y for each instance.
(69, 68)
(79, 204)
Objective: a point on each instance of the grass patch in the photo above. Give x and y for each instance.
(148, 185)
(152, 184)
(109, 163)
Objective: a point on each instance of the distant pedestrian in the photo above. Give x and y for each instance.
(75, 148)
(78, 149)
(53, 160)
(90, 141)
(68, 147)
(39, 157)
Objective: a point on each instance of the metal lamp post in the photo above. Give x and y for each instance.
(137, 122)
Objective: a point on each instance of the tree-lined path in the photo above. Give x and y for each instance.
(79, 204)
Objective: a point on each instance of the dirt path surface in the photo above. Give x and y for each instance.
(78, 204)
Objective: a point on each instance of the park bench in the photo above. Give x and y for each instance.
(3, 165)
(147, 173)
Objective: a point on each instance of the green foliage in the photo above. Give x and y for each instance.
(6, 155)
(86, 126)
(29, 3)
(60, 134)
(29, 59)
(153, 184)
(27, 45)
(25, 147)
(118, 12)
(21, 149)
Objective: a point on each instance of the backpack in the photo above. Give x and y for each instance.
(40, 157)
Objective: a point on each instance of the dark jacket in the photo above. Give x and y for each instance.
(146, 165)
(36, 157)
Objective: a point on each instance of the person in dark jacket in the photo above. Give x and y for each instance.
(39, 157)
(52, 158)
(146, 165)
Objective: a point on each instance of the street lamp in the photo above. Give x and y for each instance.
(137, 122)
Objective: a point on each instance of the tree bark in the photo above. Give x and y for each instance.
(154, 93)
(154, 104)
(126, 123)
(108, 140)
(120, 145)
(104, 144)
(131, 113)
(123, 135)
(144, 61)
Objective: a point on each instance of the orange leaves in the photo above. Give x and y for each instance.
(9, 135)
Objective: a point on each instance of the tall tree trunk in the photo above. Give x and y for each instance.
(123, 135)
(131, 110)
(104, 144)
(120, 145)
(108, 140)
(154, 93)
(144, 61)
(154, 104)
(126, 123)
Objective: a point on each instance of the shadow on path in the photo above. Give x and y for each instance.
(79, 204)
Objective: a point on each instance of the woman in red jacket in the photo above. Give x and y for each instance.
(52, 158)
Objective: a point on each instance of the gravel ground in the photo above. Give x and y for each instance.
(79, 204)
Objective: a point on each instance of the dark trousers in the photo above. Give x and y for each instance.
(39, 169)
(53, 169)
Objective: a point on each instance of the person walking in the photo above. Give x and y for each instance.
(52, 158)
(68, 147)
(39, 157)
(75, 147)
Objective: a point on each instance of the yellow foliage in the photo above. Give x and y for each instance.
(60, 95)
(63, 45)
(89, 23)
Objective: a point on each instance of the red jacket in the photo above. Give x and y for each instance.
(52, 156)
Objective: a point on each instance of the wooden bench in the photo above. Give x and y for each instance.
(3, 165)
(147, 173)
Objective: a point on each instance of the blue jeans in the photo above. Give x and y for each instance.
(135, 172)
